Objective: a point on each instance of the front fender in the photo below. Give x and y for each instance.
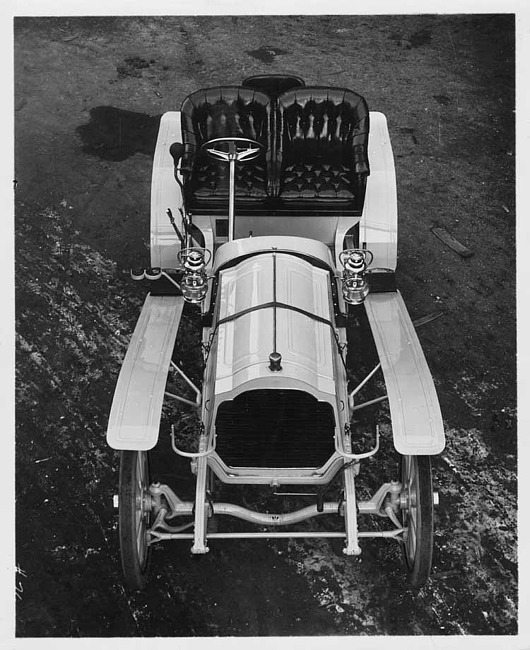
(134, 420)
(417, 424)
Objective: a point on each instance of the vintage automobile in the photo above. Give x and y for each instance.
(274, 213)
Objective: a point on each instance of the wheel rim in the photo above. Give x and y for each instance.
(142, 510)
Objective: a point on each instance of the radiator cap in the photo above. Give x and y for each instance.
(275, 364)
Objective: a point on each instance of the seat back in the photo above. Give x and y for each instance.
(225, 111)
(326, 123)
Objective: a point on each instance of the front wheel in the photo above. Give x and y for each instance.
(417, 517)
(134, 517)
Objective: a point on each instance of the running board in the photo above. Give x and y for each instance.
(416, 418)
(137, 405)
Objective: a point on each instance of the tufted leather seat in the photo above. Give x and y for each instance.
(315, 141)
(222, 112)
(321, 150)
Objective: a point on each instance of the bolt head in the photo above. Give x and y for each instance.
(116, 501)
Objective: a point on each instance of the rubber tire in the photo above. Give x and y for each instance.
(135, 561)
(418, 559)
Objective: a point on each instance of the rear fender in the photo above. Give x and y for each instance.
(165, 194)
(378, 225)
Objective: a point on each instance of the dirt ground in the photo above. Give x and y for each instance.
(89, 96)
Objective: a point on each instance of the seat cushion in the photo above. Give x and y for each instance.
(320, 182)
(211, 181)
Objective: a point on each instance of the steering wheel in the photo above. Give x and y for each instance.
(232, 148)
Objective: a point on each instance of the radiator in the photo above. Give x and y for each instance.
(275, 428)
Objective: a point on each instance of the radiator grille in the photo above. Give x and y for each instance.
(275, 428)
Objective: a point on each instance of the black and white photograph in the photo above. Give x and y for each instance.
(265, 326)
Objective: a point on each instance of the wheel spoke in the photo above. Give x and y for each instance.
(246, 153)
(218, 154)
(140, 510)
(410, 513)
(413, 531)
(139, 540)
(239, 149)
